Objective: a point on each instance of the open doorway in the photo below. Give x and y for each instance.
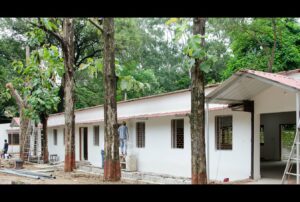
(277, 132)
(287, 136)
(83, 142)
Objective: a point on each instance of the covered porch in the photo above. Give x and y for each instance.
(265, 96)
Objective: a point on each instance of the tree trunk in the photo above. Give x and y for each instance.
(69, 55)
(24, 121)
(197, 114)
(45, 152)
(272, 57)
(112, 169)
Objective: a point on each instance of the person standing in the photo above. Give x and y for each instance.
(123, 136)
(5, 148)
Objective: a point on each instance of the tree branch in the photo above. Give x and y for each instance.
(16, 95)
(96, 25)
(88, 56)
(53, 33)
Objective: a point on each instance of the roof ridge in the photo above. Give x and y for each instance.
(273, 74)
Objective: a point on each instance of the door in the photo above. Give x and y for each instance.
(83, 141)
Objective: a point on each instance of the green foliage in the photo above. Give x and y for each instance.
(36, 81)
(252, 41)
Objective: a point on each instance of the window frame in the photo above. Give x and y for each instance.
(94, 136)
(140, 143)
(11, 138)
(174, 134)
(223, 146)
(55, 137)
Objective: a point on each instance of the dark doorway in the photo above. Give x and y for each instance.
(83, 133)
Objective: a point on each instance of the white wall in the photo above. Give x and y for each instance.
(156, 104)
(58, 149)
(271, 100)
(94, 152)
(4, 136)
(234, 164)
(158, 156)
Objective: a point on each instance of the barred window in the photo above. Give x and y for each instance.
(224, 132)
(96, 135)
(177, 126)
(140, 134)
(55, 136)
(13, 139)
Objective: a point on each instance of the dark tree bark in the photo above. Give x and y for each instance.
(69, 55)
(45, 152)
(197, 114)
(67, 42)
(112, 169)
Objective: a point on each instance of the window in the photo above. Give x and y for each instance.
(96, 135)
(13, 139)
(224, 132)
(262, 137)
(177, 126)
(64, 136)
(55, 136)
(140, 134)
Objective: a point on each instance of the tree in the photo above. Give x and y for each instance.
(200, 57)
(112, 169)
(66, 40)
(41, 92)
(21, 100)
(263, 44)
(197, 118)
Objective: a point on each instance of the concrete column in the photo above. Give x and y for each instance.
(256, 173)
(297, 146)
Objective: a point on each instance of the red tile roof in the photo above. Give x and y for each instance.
(17, 120)
(279, 78)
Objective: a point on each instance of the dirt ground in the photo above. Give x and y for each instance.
(75, 177)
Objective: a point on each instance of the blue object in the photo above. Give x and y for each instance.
(102, 155)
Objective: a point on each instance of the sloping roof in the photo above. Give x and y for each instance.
(15, 122)
(289, 72)
(145, 116)
(284, 80)
(245, 84)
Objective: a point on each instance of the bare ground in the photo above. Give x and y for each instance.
(75, 177)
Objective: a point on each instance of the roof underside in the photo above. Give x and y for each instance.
(244, 85)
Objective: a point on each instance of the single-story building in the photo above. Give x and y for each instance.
(11, 133)
(245, 122)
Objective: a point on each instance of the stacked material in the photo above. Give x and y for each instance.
(28, 173)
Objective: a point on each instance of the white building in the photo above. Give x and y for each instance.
(11, 133)
(159, 129)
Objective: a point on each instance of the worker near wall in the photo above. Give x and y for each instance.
(123, 136)
(5, 148)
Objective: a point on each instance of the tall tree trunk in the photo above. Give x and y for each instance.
(61, 94)
(272, 56)
(69, 55)
(24, 121)
(197, 114)
(112, 169)
(45, 152)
